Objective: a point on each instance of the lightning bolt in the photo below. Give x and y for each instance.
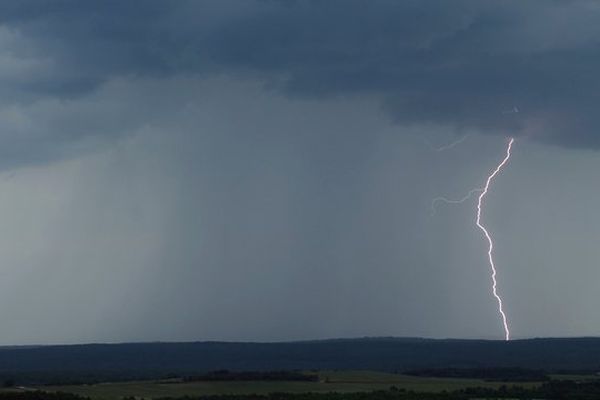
(453, 144)
(451, 201)
(489, 238)
(447, 146)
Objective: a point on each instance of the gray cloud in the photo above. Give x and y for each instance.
(459, 63)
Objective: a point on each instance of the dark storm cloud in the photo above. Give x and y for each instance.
(461, 63)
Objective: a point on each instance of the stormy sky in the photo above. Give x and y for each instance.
(264, 169)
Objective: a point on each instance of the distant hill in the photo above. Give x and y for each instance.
(387, 354)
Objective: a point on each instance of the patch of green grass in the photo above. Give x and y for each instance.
(578, 378)
(330, 381)
(409, 382)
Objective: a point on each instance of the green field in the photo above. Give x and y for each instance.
(330, 381)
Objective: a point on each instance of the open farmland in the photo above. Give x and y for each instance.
(329, 381)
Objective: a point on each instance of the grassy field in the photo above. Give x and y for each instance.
(577, 378)
(330, 381)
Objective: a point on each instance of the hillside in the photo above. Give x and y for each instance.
(111, 361)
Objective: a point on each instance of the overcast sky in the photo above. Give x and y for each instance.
(264, 169)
